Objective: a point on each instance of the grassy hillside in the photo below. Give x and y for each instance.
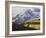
(35, 25)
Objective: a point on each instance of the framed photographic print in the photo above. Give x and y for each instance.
(24, 18)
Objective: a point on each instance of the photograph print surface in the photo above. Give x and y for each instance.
(25, 18)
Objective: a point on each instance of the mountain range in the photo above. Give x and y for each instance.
(27, 15)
